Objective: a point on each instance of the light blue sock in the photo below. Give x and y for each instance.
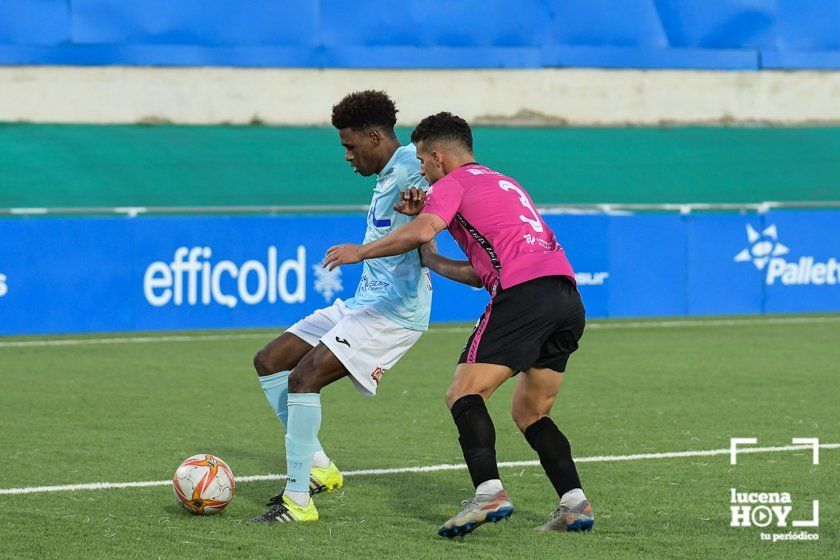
(301, 438)
(276, 389)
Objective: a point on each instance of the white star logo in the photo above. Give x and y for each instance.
(762, 247)
(327, 282)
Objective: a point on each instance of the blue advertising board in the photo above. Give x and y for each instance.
(725, 35)
(152, 273)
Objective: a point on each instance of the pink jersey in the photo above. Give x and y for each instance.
(496, 224)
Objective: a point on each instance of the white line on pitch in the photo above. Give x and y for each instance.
(129, 340)
(429, 468)
(676, 323)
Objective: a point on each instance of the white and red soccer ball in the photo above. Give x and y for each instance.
(204, 484)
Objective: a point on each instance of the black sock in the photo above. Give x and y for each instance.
(477, 438)
(555, 454)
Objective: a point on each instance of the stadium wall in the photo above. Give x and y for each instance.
(107, 95)
(124, 274)
(84, 166)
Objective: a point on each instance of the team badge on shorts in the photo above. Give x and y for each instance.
(376, 375)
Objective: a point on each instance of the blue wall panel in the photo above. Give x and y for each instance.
(811, 26)
(162, 55)
(431, 57)
(428, 23)
(720, 285)
(726, 34)
(635, 23)
(722, 24)
(34, 22)
(646, 263)
(796, 60)
(650, 58)
(586, 241)
(122, 274)
(196, 22)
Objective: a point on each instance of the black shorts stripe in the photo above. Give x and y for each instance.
(478, 332)
(534, 324)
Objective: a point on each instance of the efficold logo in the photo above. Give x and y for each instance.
(193, 277)
(767, 253)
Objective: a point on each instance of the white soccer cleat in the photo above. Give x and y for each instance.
(578, 518)
(478, 510)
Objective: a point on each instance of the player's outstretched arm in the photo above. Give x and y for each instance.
(459, 271)
(421, 230)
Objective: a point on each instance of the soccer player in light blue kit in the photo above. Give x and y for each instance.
(359, 338)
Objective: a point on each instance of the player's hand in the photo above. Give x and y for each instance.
(411, 201)
(337, 255)
(426, 251)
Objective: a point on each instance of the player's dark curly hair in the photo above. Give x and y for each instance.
(365, 109)
(443, 126)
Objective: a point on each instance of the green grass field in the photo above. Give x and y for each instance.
(88, 411)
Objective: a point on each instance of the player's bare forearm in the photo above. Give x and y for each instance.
(459, 271)
(411, 236)
(421, 230)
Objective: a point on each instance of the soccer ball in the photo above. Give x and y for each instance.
(204, 484)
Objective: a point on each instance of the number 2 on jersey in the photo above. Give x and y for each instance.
(533, 222)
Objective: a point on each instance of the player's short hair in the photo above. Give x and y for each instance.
(361, 110)
(443, 126)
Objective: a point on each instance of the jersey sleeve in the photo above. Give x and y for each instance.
(414, 179)
(444, 199)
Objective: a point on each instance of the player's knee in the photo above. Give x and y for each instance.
(305, 377)
(269, 361)
(447, 398)
(524, 416)
(299, 382)
(456, 392)
(452, 395)
(261, 363)
(522, 421)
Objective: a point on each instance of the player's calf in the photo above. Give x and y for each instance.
(287, 351)
(315, 371)
(555, 453)
(477, 439)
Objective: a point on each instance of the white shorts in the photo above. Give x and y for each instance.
(367, 342)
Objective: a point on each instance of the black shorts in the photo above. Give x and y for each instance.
(534, 324)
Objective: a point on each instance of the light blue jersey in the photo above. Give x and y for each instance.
(398, 287)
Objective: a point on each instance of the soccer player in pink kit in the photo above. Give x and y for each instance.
(531, 326)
